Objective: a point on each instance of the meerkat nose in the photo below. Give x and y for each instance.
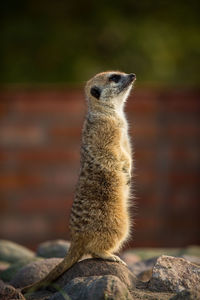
(132, 76)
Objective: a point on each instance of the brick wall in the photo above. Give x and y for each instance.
(39, 160)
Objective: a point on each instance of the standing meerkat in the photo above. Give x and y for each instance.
(99, 220)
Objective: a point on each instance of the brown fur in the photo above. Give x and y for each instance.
(99, 220)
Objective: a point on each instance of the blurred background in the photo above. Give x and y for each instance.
(48, 50)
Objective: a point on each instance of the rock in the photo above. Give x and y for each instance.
(40, 295)
(143, 269)
(148, 295)
(11, 252)
(56, 248)
(172, 278)
(98, 267)
(86, 268)
(8, 292)
(11, 271)
(172, 274)
(145, 275)
(34, 272)
(94, 287)
(187, 295)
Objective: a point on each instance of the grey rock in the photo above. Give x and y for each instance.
(39, 295)
(187, 295)
(148, 295)
(94, 287)
(11, 252)
(33, 272)
(8, 292)
(11, 271)
(145, 275)
(172, 274)
(55, 248)
(143, 269)
(98, 267)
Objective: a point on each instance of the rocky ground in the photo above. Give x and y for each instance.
(150, 274)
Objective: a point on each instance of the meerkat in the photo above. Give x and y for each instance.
(100, 219)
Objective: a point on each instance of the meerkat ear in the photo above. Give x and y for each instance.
(95, 92)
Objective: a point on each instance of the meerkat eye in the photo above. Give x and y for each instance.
(115, 77)
(95, 92)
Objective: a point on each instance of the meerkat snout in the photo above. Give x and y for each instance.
(127, 81)
(117, 77)
(132, 76)
(122, 79)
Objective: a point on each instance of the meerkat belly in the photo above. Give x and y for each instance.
(100, 203)
(94, 222)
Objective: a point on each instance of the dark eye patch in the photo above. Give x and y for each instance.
(95, 92)
(115, 78)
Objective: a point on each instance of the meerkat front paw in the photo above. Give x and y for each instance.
(118, 259)
(110, 257)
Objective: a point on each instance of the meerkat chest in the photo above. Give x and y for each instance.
(124, 129)
(124, 140)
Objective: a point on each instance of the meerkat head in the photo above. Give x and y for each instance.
(111, 88)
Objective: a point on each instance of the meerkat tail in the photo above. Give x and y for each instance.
(73, 255)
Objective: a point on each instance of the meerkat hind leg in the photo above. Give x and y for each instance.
(108, 256)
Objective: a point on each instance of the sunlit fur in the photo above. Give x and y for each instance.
(99, 220)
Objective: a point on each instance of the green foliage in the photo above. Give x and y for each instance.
(68, 41)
